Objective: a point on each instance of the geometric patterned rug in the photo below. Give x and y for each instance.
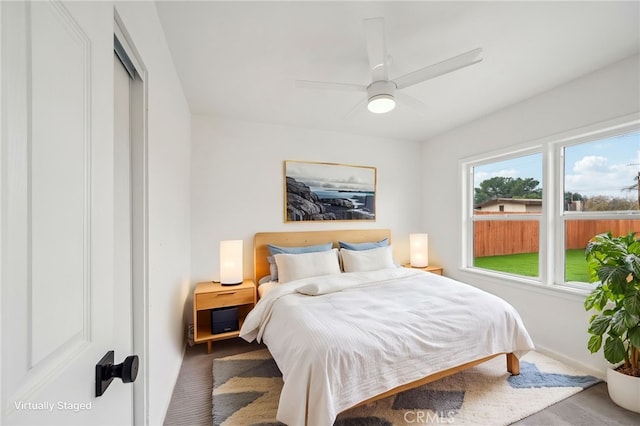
(246, 390)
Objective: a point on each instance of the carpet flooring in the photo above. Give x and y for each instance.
(191, 401)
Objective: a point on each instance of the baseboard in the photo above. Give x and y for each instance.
(570, 361)
(174, 382)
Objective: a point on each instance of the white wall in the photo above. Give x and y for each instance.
(557, 321)
(238, 183)
(168, 204)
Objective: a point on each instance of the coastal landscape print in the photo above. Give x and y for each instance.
(328, 191)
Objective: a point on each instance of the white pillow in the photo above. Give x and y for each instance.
(293, 267)
(367, 260)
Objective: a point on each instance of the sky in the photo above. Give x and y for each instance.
(602, 167)
(333, 176)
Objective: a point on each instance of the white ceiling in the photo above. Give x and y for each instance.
(239, 60)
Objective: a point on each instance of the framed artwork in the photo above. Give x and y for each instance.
(328, 191)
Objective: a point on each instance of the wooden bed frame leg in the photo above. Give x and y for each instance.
(513, 364)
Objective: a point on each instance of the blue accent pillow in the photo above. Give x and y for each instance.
(273, 249)
(364, 246)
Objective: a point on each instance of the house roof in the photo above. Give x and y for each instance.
(521, 201)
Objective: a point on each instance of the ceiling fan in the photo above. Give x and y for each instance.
(382, 92)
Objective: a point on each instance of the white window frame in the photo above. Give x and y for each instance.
(469, 218)
(564, 216)
(551, 268)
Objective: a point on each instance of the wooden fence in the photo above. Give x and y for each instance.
(492, 238)
(579, 232)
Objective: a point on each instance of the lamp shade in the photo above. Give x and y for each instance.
(381, 104)
(231, 262)
(419, 248)
(380, 95)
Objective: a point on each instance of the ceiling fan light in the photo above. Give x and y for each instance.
(381, 104)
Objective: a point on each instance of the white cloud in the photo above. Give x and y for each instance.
(593, 175)
(591, 164)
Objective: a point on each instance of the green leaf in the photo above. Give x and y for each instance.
(597, 299)
(595, 342)
(634, 336)
(630, 320)
(629, 238)
(603, 299)
(590, 250)
(618, 326)
(632, 302)
(590, 301)
(605, 249)
(599, 325)
(614, 350)
(615, 276)
(634, 247)
(633, 263)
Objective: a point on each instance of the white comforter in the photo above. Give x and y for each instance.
(373, 331)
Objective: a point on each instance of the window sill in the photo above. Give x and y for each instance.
(527, 284)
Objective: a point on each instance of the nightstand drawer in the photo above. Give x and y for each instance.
(231, 297)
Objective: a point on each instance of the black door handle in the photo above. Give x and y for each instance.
(106, 371)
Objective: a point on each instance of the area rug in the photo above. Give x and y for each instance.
(246, 390)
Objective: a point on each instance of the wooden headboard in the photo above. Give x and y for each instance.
(307, 238)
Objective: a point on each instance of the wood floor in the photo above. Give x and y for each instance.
(191, 401)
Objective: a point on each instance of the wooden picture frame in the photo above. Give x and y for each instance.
(315, 191)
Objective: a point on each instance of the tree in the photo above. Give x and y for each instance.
(573, 196)
(605, 203)
(507, 187)
(635, 187)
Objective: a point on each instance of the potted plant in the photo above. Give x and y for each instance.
(614, 264)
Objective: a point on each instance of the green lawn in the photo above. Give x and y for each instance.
(527, 264)
(576, 266)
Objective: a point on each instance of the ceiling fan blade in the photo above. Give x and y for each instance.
(326, 85)
(376, 38)
(416, 105)
(354, 110)
(439, 69)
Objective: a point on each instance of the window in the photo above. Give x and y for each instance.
(601, 194)
(531, 230)
(507, 206)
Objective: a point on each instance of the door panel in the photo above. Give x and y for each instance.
(57, 209)
(58, 161)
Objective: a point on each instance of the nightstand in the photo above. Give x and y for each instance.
(433, 269)
(209, 295)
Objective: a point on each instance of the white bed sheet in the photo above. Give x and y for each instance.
(264, 288)
(388, 328)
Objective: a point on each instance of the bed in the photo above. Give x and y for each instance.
(344, 339)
